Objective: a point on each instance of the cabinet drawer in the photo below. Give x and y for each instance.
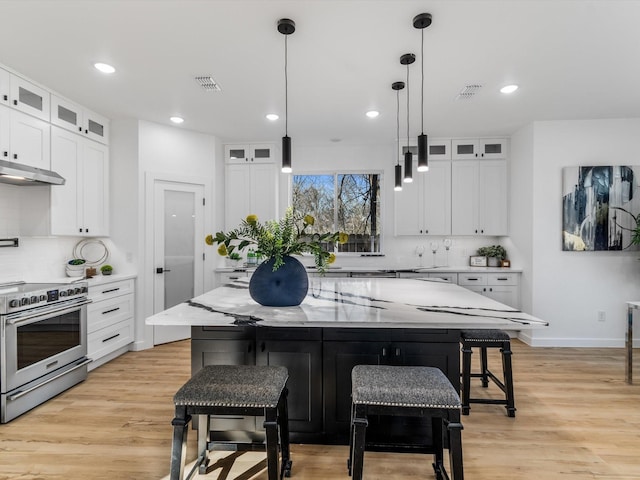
(110, 311)
(109, 339)
(447, 277)
(472, 279)
(104, 291)
(502, 279)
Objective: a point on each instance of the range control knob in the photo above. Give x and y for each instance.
(62, 293)
(14, 303)
(84, 290)
(43, 298)
(34, 299)
(76, 290)
(70, 292)
(24, 301)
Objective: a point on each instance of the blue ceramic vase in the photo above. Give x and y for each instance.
(285, 287)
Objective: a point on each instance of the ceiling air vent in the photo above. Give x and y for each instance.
(468, 91)
(208, 83)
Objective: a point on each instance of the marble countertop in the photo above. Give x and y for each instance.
(353, 302)
(459, 269)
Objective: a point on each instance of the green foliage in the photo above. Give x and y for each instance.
(276, 239)
(77, 261)
(497, 251)
(106, 268)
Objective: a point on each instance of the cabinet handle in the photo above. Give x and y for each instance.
(5, 153)
(86, 131)
(15, 156)
(249, 347)
(384, 351)
(111, 290)
(80, 129)
(110, 311)
(491, 289)
(471, 279)
(80, 230)
(111, 338)
(397, 352)
(15, 102)
(502, 279)
(5, 98)
(262, 347)
(476, 230)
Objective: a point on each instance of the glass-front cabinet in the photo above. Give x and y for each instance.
(249, 153)
(75, 118)
(473, 148)
(23, 95)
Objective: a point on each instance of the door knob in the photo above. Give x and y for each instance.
(161, 270)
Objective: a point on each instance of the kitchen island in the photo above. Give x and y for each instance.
(341, 323)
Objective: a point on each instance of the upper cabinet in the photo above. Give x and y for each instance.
(483, 148)
(423, 207)
(77, 119)
(24, 139)
(249, 153)
(23, 95)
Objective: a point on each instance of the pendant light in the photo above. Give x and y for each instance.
(397, 86)
(407, 59)
(422, 21)
(286, 27)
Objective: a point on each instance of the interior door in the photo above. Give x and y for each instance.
(178, 250)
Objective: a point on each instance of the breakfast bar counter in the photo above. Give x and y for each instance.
(342, 322)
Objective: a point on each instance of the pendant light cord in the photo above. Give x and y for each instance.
(408, 107)
(422, 79)
(398, 125)
(286, 90)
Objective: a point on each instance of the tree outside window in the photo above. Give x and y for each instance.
(345, 202)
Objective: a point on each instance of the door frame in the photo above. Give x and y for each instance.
(146, 276)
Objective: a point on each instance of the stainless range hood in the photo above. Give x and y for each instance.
(18, 174)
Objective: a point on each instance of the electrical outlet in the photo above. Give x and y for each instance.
(601, 316)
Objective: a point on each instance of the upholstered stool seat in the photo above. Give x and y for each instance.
(483, 339)
(232, 390)
(406, 391)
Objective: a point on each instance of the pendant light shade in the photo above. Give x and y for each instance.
(422, 21)
(397, 86)
(407, 59)
(286, 27)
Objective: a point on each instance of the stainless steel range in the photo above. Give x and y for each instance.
(43, 343)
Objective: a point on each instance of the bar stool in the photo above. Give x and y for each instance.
(406, 391)
(232, 390)
(484, 339)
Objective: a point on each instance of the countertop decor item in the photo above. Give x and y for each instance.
(281, 280)
(93, 251)
(106, 269)
(75, 267)
(494, 253)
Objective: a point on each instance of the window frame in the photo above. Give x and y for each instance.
(335, 173)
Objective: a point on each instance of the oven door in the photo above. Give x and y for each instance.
(39, 341)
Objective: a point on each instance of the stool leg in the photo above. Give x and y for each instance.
(466, 378)
(204, 426)
(271, 435)
(508, 378)
(283, 421)
(484, 367)
(438, 447)
(359, 433)
(455, 446)
(179, 443)
(351, 432)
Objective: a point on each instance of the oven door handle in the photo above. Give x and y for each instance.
(28, 318)
(21, 393)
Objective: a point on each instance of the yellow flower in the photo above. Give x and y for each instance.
(309, 220)
(332, 258)
(252, 219)
(343, 237)
(222, 250)
(209, 240)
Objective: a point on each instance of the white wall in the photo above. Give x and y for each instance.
(569, 288)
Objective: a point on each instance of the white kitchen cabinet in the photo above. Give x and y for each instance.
(249, 153)
(472, 148)
(501, 287)
(449, 277)
(24, 139)
(222, 278)
(80, 207)
(22, 95)
(479, 197)
(423, 207)
(109, 320)
(77, 119)
(251, 188)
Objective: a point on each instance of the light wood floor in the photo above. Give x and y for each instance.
(576, 419)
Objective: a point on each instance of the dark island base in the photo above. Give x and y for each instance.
(320, 362)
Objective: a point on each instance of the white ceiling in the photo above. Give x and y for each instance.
(573, 59)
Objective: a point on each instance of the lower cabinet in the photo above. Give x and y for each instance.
(109, 320)
(319, 361)
(300, 350)
(501, 287)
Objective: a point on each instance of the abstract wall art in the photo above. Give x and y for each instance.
(600, 207)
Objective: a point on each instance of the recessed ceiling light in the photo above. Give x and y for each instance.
(272, 116)
(104, 67)
(177, 119)
(509, 88)
(372, 113)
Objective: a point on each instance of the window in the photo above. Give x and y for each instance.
(345, 202)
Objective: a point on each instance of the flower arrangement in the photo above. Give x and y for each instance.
(497, 251)
(276, 239)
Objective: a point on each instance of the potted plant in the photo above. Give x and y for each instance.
(280, 280)
(233, 259)
(106, 269)
(494, 253)
(75, 267)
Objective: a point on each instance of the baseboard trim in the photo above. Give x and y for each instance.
(533, 341)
